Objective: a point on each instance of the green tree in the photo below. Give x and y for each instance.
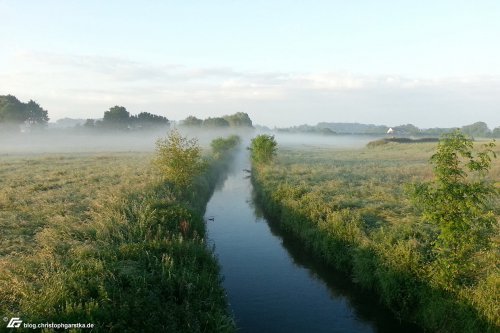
(11, 110)
(16, 112)
(89, 123)
(179, 159)
(239, 119)
(221, 145)
(478, 129)
(146, 119)
(263, 148)
(116, 117)
(458, 203)
(408, 129)
(496, 132)
(35, 114)
(192, 121)
(215, 122)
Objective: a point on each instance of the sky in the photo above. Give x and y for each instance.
(429, 63)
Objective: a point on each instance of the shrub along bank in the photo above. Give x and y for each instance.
(139, 264)
(351, 211)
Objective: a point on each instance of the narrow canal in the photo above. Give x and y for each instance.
(272, 285)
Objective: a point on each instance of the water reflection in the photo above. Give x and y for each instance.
(272, 284)
(365, 304)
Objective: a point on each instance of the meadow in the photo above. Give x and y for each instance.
(352, 209)
(102, 238)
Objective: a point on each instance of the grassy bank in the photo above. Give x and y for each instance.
(350, 209)
(101, 239)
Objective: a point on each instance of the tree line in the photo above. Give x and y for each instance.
(117, 117)
(478, 129)
(239, 119)
(14, 113)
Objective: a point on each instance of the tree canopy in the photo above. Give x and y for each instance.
(146, 119)
(408, 129)
(14, 111)
(478, 129)
(239, 119)
(263, 148)
(118, 117)
(215, 122)
(192, 121)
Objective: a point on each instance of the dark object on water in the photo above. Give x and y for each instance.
(211, 218)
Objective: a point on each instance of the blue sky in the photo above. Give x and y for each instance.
(431, 63)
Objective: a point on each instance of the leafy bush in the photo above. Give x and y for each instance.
(457, 202)
(179, 159)
(221, 146)
(263, 148)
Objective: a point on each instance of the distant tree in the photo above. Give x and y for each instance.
(116, 117)
(457, 202)
(436, 131)
(215, 122)
(478, 129)
(15, 112)
(35, 115)
(89, 123)
(178, 159)
(239, 119)
(354, 128)
(146, 119)
(496, 132)
(11, 110)
(263, 148)
(69, 122)
(192, 121)
(408, 129)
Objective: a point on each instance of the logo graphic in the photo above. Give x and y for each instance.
(14, 323)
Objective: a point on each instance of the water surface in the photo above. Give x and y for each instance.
(272, 284)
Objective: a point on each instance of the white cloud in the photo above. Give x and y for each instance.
(85, 86)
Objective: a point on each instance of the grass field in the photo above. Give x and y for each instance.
(42, 192)
(351, 208)
(99, 238)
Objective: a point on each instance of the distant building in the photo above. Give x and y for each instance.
(390, 131)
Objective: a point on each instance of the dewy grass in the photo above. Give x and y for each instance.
(96, 239)
(350, 208)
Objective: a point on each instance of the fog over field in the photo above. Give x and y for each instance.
(84, 141)
(81, 140)
(315, 140)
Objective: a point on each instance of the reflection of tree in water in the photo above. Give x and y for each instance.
(253, 203)
(365, 304)
(230, 168)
